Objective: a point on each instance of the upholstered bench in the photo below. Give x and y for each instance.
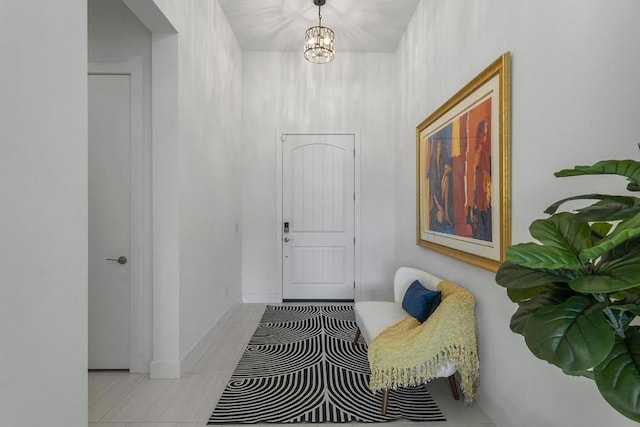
(374, 317)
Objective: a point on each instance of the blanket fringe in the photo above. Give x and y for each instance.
(396, 377)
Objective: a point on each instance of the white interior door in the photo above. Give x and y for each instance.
(109, 220)
(318, 217)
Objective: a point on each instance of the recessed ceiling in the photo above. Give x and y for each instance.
(279, 25)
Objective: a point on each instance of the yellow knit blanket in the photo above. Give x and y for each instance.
(410, 353)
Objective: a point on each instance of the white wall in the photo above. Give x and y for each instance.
(209, 166)
(43, 214)
(575, 91)
(282, 91)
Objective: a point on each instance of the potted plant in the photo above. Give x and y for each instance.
(578, 287)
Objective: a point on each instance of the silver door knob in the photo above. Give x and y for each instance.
(120, 260)
(287, 240)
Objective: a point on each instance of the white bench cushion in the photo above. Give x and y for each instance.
(379, 316)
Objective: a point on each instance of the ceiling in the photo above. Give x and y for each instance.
(279, 25)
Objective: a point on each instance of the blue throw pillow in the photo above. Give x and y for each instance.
(420, 302)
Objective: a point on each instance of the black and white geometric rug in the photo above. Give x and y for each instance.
(301, 367)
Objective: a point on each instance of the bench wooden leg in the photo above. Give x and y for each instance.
(454, 387)
(355, 340)
(385, 392)
(385, 400)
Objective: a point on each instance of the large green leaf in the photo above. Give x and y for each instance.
(613, 276)
(562, 232)
(605, 212)
(609, 207)
(515, 276)
(600, 284)
(625, 265)
(519, 295)
(627, 168)
(573, 336)
(618, 376)
(548, 297)
(532, 255)
(624, 231)
(619, 251)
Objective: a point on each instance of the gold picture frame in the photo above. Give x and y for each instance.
(463, 172)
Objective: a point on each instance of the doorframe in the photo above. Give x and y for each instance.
(356, 220)
(139, 215)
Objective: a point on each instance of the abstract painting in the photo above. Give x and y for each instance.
(463, 171)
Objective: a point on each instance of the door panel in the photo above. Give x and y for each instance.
(318, 204)
(109, 221)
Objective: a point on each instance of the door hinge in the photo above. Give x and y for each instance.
(354, 152)
(354, 240)
(354, 197)
(354, 284)
(283, 138)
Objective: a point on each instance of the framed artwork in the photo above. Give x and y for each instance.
(463, 200)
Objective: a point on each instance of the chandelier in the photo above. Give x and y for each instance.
(319, 41)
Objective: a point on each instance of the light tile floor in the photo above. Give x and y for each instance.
(119, 399)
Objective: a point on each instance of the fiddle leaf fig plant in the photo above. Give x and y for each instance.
(578, 287)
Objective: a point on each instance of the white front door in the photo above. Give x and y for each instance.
(109, 220)
(318, 248)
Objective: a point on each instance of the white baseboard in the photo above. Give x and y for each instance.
(200, 348)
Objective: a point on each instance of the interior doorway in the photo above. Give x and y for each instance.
(119, 280)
